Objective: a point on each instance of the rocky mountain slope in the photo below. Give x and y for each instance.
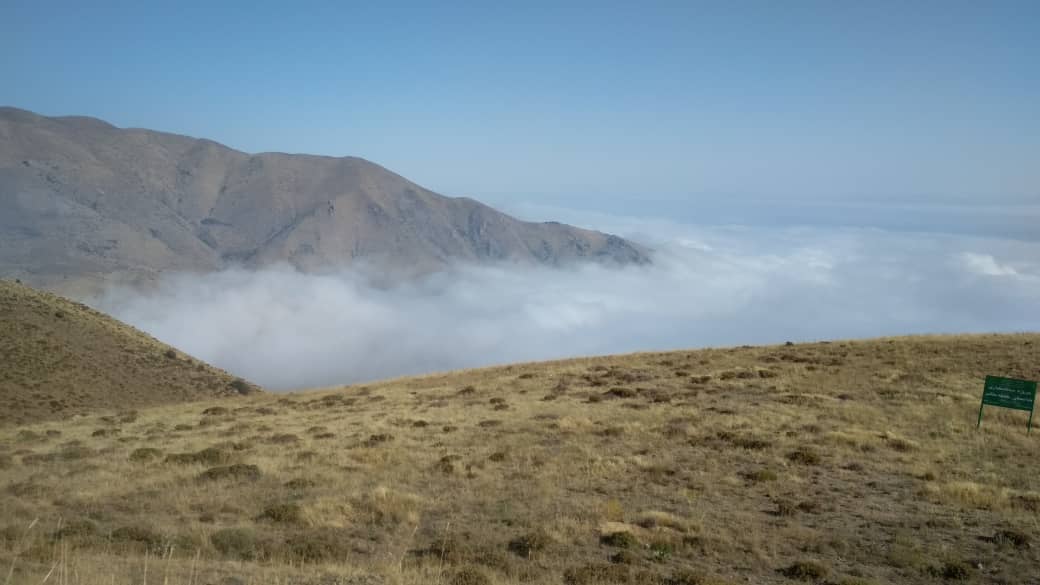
(82, 201)
(61, 358)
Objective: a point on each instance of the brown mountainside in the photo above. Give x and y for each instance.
(83, 201)
(61, 358)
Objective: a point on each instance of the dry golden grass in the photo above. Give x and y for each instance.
(849, 462)
(61, 358)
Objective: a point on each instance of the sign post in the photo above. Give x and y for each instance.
(1009, 393)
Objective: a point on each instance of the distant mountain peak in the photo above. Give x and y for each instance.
(84, 203)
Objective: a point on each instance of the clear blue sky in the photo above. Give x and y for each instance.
(931, 101)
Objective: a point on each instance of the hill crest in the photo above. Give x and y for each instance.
(62, 358)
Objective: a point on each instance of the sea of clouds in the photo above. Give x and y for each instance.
(708, 285)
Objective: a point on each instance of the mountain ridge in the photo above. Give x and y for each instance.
(86, 201)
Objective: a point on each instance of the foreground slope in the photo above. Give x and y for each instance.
(61, 358)
(849, 462)
(82, 201)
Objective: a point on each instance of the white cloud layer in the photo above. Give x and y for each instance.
(708, 286)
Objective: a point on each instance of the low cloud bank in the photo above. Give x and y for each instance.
(708, 286)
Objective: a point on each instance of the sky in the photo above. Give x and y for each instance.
(652, 107)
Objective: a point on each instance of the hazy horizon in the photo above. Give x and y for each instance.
(709, 286)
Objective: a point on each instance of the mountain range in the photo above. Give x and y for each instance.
(84, 204)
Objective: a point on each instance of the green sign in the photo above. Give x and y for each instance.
(1009, 393)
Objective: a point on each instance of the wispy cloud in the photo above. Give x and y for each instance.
(708, 286)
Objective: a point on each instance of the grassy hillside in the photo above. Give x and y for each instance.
(61, 358)
(848, 462)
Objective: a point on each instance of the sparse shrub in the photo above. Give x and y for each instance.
(207, 456)
(26, 436)
(284, 439)
(621, 539)
(182, 427)
(237, 543)
(69, 452)
(1012, 538)
(378, 439)
(760, 475)
(75, 452)
(76, 528)
(767, 374)
(215, 411)
(596, 574)
(901, 445)
(809, 506)
(805, 571)
(906, 557)
(804, 456)
(283, 512)
(144, 454)
(317, 429)
(620, 392)
(785, 508)
(28, 489)
(300, 483)
(238, 472)
(241, 386)
(469, 576)
(170, 353)
(687, 577)
(323, 436)
(318, 545)
(486, 424)
(138, 535)
(624, 557)
(467, 391)
(5, 461)
(751, 443)
(526, 376)
(498, 456)
(660, 549)
(105, 433)
(953, 570)
(531, 542)
(613, 511)
(657, 519)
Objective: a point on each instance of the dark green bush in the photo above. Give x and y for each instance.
(620, 540)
